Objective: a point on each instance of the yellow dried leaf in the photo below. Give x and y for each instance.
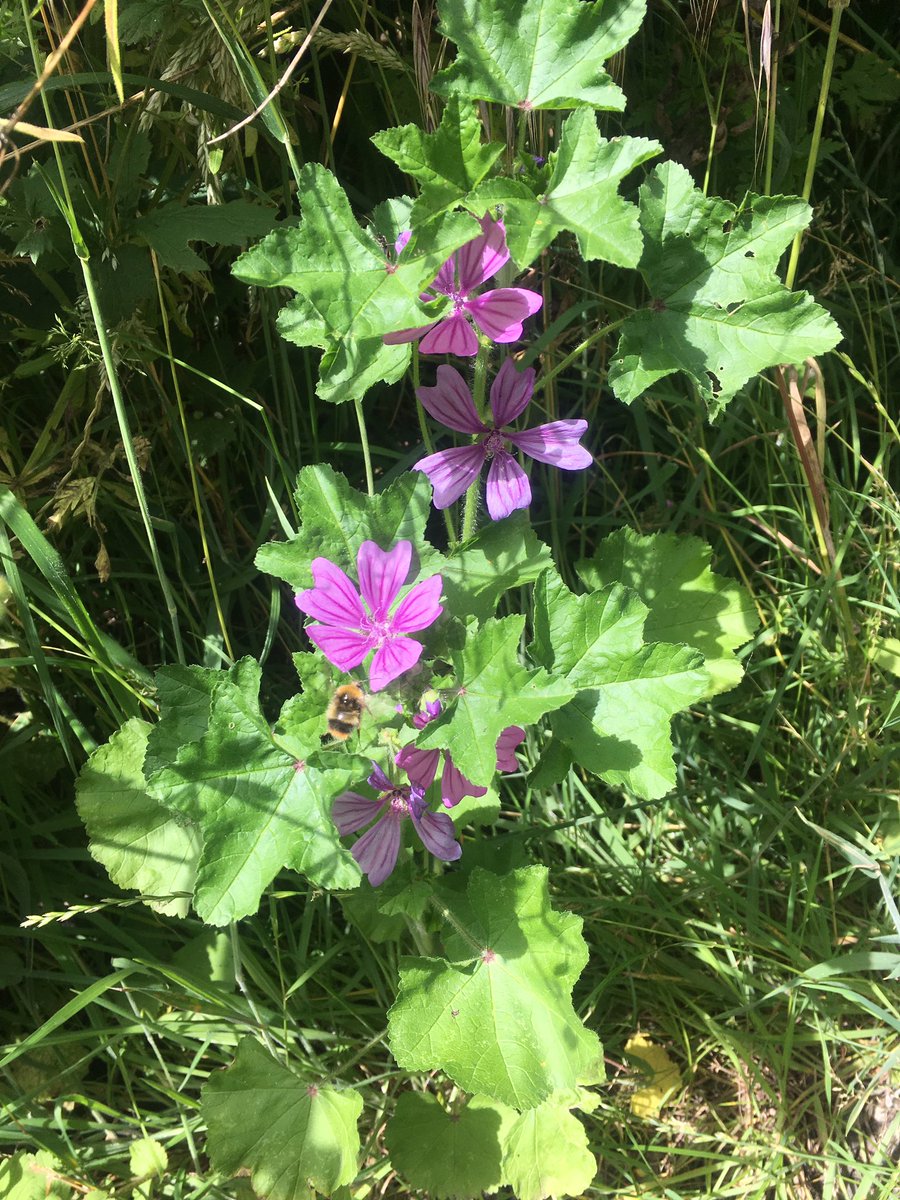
(662, 1081)
(40, 131)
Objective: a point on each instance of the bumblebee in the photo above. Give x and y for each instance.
(345, 711)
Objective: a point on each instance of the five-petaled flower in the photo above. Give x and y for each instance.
(352, 627)
(452, 471)
(421, 765)
(498, 314)
(376, 851)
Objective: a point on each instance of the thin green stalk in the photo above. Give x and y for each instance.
(426, 438)
(470, 510)
(198, 507)
(364, 442)
(771, 99)
(837, 9)
(577, 353)
(81, 250)
(112, 379)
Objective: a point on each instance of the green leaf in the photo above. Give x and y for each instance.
(496, 1012)
(448, 1154)
(33, 1177)
(169, 228)
(293, 1135)
(207, 958)
(618, 724)
(581, 195)
(688, 603)
(185, 695)
(505, 554)
(337, 519)
(476, 810)
(718, 311)
(257, 808)
(350, 289)
(449, 162)
(536, 53)
(547, 1154)
(137, 840)
(493, 691)
(348, 369)
(147, 1157)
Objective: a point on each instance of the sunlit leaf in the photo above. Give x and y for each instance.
(496, 1014)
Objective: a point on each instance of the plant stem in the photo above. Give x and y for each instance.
(470, 510)
(364, 442)
(112, 379)
(83, 254)
(772, 98)
(198, 508)
(837, 9)
(426, 439)
(577, 353)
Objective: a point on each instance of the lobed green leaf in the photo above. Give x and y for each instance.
(293, 1135)
(536, 53)
(495, 1013)
(718, 311)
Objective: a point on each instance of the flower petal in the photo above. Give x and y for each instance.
(450, 402)
(382, 573)
(406, 335)
(507, 486)
(454, 784)
(344, 648)
(483, 257)
(445, 280)
(376, 851)
(420, 765)
(500, 313)
(431, 710)
(437, 834)
(452, 471)
(334, 599)
(351, 811)
(402, 240)
(453, 335)
(378, 780)
(419, 608)
(393, 657)
(510, 393)
(556, 443)
(506, 745)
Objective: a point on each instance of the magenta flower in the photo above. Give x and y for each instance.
(421, 765)
(498, 313)
(351, 627)
(506, 747)
(376, 851)
(452, 471)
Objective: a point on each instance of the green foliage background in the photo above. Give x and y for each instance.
(742, 919)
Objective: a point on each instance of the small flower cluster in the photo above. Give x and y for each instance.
(498, 314)
(353, 622)
(377, 850)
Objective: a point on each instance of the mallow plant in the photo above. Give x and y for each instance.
(205, 808)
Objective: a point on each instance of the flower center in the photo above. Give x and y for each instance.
(378, 631)
(493, 442)
(398, 799)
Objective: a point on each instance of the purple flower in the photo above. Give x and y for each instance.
(498, 313)
(421, 765)
(506, 746)
(351, 627)
(376, 851)
(452, 471)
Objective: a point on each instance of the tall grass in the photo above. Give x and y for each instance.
(736, 922)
